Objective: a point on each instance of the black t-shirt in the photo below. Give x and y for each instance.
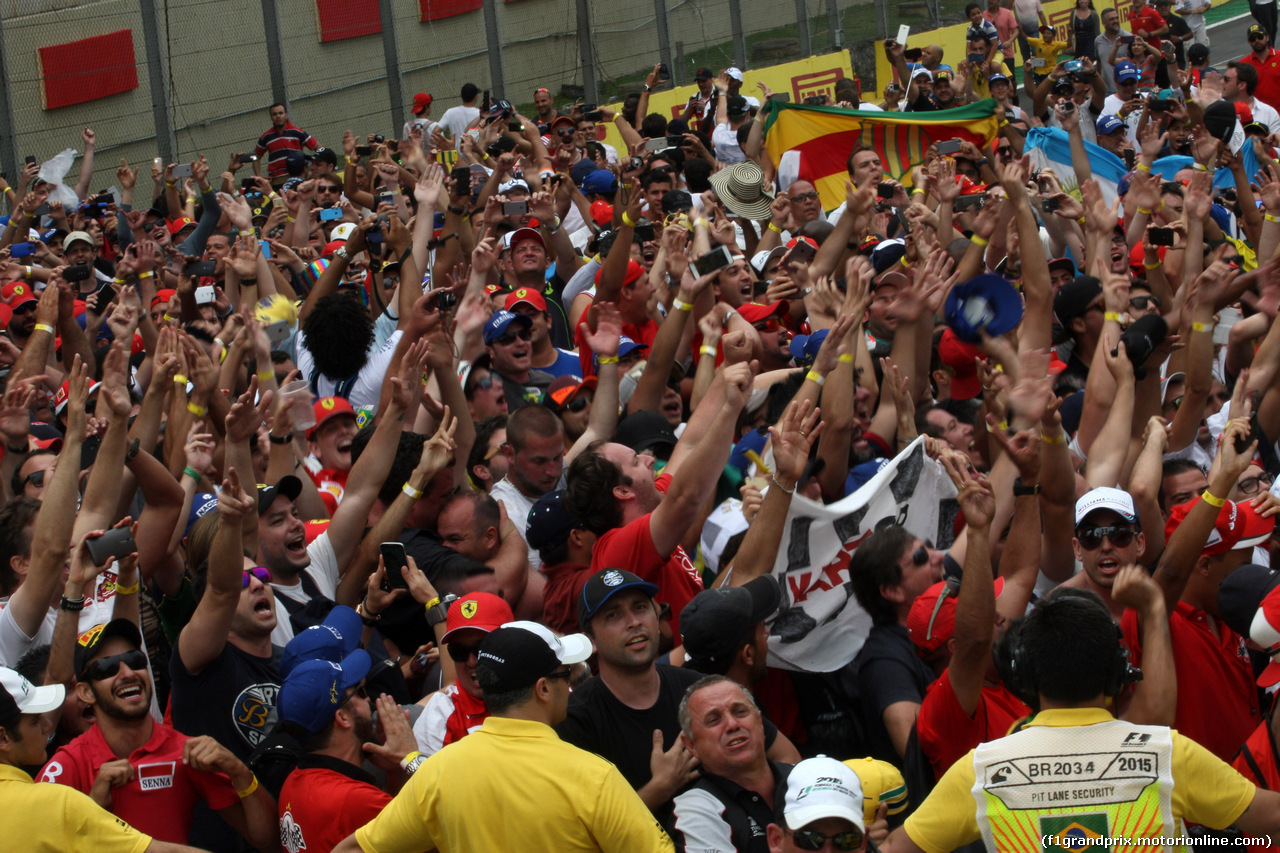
(233, 699)
(886, 670)
(1178, 27)
(598, 722)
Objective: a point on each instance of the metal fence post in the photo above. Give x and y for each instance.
(587, 48)
(391, 52)
(275, 52)
(833, 24)
(496, 79)
(158, 78)
(664, 42)
(8, 143)
(882, 22)
(739, 37)
(802, 28)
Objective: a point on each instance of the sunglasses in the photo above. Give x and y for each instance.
(577, 404)
(772, 324)
(1142, 303)
(1091, 537)
(484, 384)
(460, 653)
(35, 478)
(810, 196)
(1258, 37)
(258, 572)
(807, 839)
(328, 189)
(104, 668)
(565, 132)
(495, 451)
(510, 337)
(560, 673)
(1253, 485)
(920, 556)
(155, 226)
(24, 309)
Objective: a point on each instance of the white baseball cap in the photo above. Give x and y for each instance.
(735, 74)
(20, 696)
(1105, 497)
(819, 788)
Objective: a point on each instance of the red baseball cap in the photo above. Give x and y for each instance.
(483, 611)
(528, 296)
(17, 293)
(420, 103)
(932, 618)
(564, 388)
(178, 224)
(1254, 529)
(1226, 532)
(959, 356)
(601, 213)
(754, 312)
(163, 296)
(634, 271)
(329, 407)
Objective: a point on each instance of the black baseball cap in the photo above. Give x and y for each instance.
(603, 585)
(549, 522)
(714, 623)
(289, 486)
(643, 430)
(88, 643)
(736, 105)
(1074, 297)
(703, 74)
(519, 653)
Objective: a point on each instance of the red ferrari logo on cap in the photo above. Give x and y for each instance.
(520, 294)
(469, 609)
(88, 638)
(18, 290)
(326, 403)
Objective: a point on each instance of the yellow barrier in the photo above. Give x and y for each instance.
(952, 39)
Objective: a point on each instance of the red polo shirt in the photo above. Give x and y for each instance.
(325, 800)
(1268, 76)
(641, 334)
(163, 792)
(1257, 762)
(946, 732)
(1217, 697)
(1147, 21)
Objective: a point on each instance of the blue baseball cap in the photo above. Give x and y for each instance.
(312, 692)
(626, 346)
(332, 640)
(599, 181)
(1126, 72)
(996, 78)
(1109, 124)
(605, 584)
(754, 441)
(201, 505)
(549, 522)
(804, 348)
(500, 322)
(985, 302)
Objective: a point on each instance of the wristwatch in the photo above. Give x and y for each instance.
(1021, 491)
(341, 252)
(438, 609)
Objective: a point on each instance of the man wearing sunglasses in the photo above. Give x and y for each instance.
(1108, 537)
(458, 708)
(821, 809)
(1266, 59)
(144, 772)
(32, 471)
(22, 302)
(508, 341)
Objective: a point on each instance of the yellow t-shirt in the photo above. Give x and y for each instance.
(48, 818)
(1219, 795)
(1048, 51)
(982, 88)
(514, 785)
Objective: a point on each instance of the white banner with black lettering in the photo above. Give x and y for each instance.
(819, 626)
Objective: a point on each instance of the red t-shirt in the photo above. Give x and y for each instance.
(631, 547)
(1147, 21)
(1217, 697)
(946, 732)
(320, 806)
(1262, 770)
(1268, 76)
(560, 596)
(159, 799)
(641, 334)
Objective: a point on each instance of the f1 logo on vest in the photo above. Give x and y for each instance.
(1136, 739)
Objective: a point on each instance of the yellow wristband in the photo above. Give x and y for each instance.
(1144, 211)
(411, 491)
(44, 327)
(1003, 426)
(179, 379)
(681, 306)
(26, 273)
(1213, 500)
(816, 377)
(1053, 439)
(608, 359)
(1111, 316)
(170, 183)
(1270, 218)
(1199, 168)
(1147, 266)
(266, 375)
(1082, 221)
(248, 792)
(980, 242)
(917, 191)
(409, 759)
(846, 358)
(127, 590)
(9, 190)
(706, 350)
(145, 275)
(774, 228)
(1143, 167)
(1197, 326)
(198, 410)
(117, 280)
(627, 220)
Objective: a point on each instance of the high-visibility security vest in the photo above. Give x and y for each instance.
(1045, 788)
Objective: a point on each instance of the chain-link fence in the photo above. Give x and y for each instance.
(174, 78)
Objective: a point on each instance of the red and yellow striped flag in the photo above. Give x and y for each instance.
(822, 137)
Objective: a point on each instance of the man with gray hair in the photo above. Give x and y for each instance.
(732, 803)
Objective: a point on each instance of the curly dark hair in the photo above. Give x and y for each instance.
(339, 335)
(589, 496)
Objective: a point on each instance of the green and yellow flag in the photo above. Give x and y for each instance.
(822, 137)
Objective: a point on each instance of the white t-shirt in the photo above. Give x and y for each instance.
(428, 127)
(323, 570)
(457, 119)
(518, 506)
(1111, 107)
(1266, 114)
(724, 139)
(99, 608)
(368, 385)
(1028, 14)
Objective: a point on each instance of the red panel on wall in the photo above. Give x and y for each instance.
(347, 19)
(435, 9)
(88, 69)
